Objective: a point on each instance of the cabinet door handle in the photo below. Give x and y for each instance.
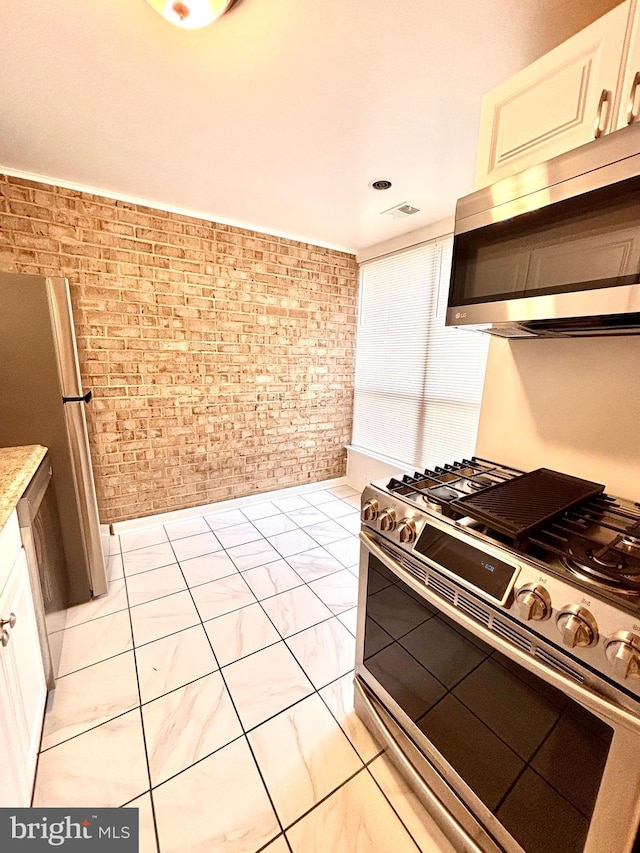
(631, 115)
(598, 126)
(11, 622)
(5, 637)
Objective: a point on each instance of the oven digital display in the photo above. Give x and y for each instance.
(471, 564)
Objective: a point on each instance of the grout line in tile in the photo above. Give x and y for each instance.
(92, 619)
(380, 752)
(383, 792)
(235, 523)
(321, 602)
(170, 634)
(90, 729)
(142, 548)
(180, 686)
(281, 640)
(264, 781)
(243, 657)
(341, 539)
(126, 574)
(144, 735)
(226, 613)
(280, 554)
(244, 734)
(190, 520)
(275, 559)
(360, 770)
(102, 660)
(195, 557)
(128, 803)
(319, 692)
(303, 529)
(39, 753)
(157, 598)
(271, 841)
(328, 553)
(288, 708)
(221, 669)
(222, 577)
(198, 761)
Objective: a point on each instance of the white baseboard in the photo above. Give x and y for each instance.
(222, 506)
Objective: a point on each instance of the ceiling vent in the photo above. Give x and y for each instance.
(401, 211)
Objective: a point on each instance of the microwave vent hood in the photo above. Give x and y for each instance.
(553, 251)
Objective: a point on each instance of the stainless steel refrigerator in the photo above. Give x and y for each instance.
(42, 402)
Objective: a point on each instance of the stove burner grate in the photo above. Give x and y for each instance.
(618, 581)
(608, 565)
(563, 522)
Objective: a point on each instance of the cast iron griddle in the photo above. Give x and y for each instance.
(519, 506)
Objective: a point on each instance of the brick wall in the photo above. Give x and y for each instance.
(221, 360)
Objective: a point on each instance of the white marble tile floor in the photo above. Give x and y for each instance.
(212, 689)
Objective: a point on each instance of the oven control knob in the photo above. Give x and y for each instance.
(577, 626)
(533, 602)
(406, 530)
(387, 519)
(623, 653)
(370, 510)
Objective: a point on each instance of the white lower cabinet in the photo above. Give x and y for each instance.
(23, 689)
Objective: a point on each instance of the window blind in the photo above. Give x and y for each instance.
(418, 384)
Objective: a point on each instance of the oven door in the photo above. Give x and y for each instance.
(507, 754)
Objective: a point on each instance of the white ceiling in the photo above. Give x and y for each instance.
(275, 117)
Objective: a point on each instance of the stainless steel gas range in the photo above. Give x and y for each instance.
(498, 653)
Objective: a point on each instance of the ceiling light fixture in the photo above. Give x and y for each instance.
(192, 14)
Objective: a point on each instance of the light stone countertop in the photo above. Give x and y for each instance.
(17, 467)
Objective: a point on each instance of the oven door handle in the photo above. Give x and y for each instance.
(436, 809)
(605, 709)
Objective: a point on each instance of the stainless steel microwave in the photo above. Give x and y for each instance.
(555, 250)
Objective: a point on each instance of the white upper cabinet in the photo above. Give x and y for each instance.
(563, 100)
(629, 111)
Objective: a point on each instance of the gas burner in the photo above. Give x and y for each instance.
(430, 503)
(606, 568)
(483, 480)
(630, 544)
(467, 486)
(438, 499)
(607, 558)
(588, 573)
(442, 493)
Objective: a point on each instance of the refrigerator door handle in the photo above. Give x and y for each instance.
(85, 398)
(85, 490)
(64, 336)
